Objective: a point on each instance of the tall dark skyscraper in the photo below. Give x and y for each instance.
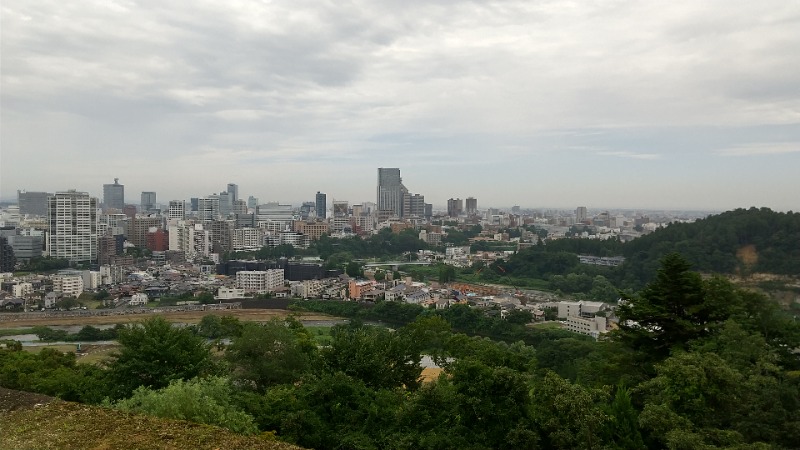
(233, 192)
(455, 206)
(472, 206)
(148, 201)
(321, 205)
(114, 195)
(390, 191)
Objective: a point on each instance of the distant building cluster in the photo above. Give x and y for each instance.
(190, 247)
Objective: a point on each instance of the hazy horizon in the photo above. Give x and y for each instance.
(658, 106)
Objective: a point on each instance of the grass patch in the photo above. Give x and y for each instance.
(15, 331)
(555, 325)
(321, 334)
(60, 425)
(64, 348)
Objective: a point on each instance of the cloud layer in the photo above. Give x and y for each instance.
(531, 103)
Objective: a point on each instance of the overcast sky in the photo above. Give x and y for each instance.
(679, 104)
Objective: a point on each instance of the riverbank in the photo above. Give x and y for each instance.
(246, 315)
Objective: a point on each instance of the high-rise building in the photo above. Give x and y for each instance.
(306, 208)
(472, 206)
(72, 218)
(416, 205)
(208, 208)
(139, 227)
(177, 210)
(7, 258)
(114, 195)
(252, 202)
(26, 246)
(34, 203)
(581, 214)
(455, 206)
(148, 201)
(222, 232)
(321, 205)
(390, 191)
(225, 204)
(275, 217)
(233, 191)
(239, 207)
(108, 247)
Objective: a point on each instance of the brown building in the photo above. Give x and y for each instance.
(312, 229)
(107, 248)
(158, 240)
(397, 227)
(222, 235)
(138, 229)
(129, 210)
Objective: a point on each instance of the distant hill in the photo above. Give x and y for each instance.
(32, 421)
(742, 241)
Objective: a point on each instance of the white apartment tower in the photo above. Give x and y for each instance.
(72, 219)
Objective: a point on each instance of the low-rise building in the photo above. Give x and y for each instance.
(68, 285)
(593, 327)
(138, 299)
(308, 289)
(226, 293)
(259, 281)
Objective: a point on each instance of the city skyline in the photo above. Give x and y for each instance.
(646, 105)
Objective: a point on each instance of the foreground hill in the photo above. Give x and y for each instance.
(31, 421)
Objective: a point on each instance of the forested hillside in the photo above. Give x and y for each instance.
(740, 241)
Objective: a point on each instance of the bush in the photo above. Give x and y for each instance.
(206, 400)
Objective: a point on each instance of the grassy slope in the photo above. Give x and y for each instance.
(64, 425)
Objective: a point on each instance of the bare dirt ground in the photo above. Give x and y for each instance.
(248, 315)
(747, 255)
(11, 400)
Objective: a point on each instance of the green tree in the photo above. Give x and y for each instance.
(447, 273)
(375, 355)
(669, 312)
(354, 270)
(568, 415)
(153, 353)
(623, 428)
(492, 402)
(276, 352)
